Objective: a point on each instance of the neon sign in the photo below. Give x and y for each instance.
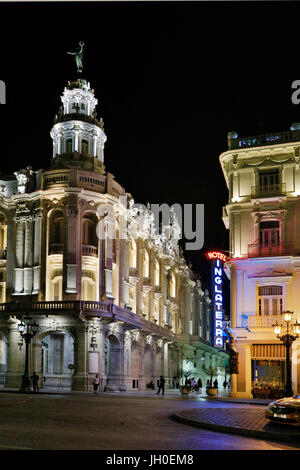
(216, 255)
(217, 279)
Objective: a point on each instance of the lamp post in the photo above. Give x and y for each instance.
(287, 332)
(27, 329)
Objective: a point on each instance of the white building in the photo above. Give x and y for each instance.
(262, 174)
(126, 309)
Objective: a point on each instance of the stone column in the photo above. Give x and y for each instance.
(244, 375)
(127, 350)
(36, 255)
(102, 374)
(124, 272)
(19, 274)
(166, 363)
(15, 357)
(28, 257)
(80, 376)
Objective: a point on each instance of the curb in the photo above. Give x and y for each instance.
(243, 402)
(269, 435)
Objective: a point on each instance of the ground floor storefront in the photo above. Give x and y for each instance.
(262, 366)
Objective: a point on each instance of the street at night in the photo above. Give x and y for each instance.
(106, 421)
(150, 228)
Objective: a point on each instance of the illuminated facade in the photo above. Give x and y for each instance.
(262, 174)
(126, 309)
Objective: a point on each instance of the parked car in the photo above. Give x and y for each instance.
(285, 411)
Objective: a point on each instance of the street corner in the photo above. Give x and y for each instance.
(246, 422)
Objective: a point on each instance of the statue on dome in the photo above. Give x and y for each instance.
(78, 57)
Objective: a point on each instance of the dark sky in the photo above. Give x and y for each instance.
(171, 79)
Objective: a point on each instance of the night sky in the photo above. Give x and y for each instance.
(171, 79)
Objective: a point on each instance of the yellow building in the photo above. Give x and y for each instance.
(262, 174)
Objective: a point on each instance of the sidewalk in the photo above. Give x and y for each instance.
(247, 422)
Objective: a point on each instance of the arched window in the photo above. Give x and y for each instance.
(156, 273)
(89, 236)
(57, 288)
(85, 147)
(145, 264)
(69, 146)
(56, 232)
(88, 289)
(132, 254)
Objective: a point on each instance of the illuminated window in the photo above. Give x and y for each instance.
(269, 233)
(270, 300)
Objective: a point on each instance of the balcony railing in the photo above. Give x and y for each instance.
(278, 189)
(89, 250)
(264, 139)
(259, 321)
(105, 310)
(255, 250)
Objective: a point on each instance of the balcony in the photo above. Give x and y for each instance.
(89, 250)
(270, 190)
(107, 312)
(256, 250)
(259, 321)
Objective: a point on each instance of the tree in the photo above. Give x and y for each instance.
(211, 372)
(182, 376)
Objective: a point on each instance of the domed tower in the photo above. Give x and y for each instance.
(78, 136)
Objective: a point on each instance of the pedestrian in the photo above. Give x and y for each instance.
(208, 384)
(224, 384)
(215, 383)
(161, 386)
(96, 383)
(193, 383)
(35, 382)
(199, 383)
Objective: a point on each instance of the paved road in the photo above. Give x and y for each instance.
(112, 422)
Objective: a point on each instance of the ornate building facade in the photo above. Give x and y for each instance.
(126, 308)
(262, 174)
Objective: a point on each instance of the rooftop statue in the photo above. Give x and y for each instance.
(78, 57)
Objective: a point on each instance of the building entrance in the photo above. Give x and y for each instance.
(268, 372)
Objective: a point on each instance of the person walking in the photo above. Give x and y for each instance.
(199, 383)
(161, 385)
(215, 383)
(96, 382)
(35, 382)
(193, 384)
(224, 384)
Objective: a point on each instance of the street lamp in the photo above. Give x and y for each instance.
(27, 329)
(287, 332)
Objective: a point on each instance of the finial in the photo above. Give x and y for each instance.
(78, 57)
